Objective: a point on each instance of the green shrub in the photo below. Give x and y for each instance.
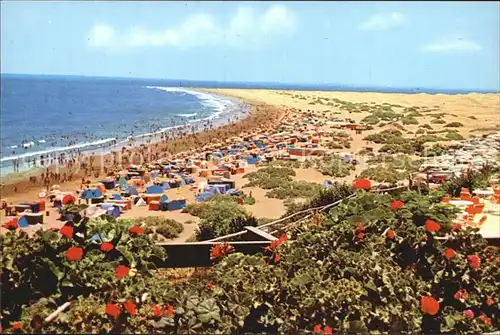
(426, 126)
(249, 200)
(221, 215)
(454, 136)
(371, 119)
(472, 117)
(454, 125)
(420, 131)
(438, 121)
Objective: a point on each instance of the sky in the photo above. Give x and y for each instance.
(452, 45)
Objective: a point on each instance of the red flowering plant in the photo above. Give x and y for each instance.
(323, 283)
(78, 259)
(271, 252)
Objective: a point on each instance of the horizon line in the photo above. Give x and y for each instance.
(331, 85)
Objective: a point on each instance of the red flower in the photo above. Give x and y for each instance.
(113, 310)
(360, 226)
(486, 320)
(121, 271)
(429, 305)
(11, 225)
(362, 184)
(431, 226)
(317, 329)
(474, 261)
(130, 307)
(67, 231)
(156, 310)
(456, 226)
(469, 314)
(277, 258)
(489, 301)
(220, 250)
(17, 325)
(170, 311)
(391, 234)
(210, 285)
(461, 295)
(397, 204)
(74, 254)
(135, 230)
(449, 253)
(327, 331)
(107, 246)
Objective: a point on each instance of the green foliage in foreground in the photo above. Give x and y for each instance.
(168, 228)
(329, 276)
(221, 215)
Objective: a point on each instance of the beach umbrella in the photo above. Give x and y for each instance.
(68, 199)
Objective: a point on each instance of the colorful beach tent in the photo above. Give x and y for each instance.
(97, 193)
(205, 196)
(154, 189)
(163, 198)
(122, 182)
(133, 190)
(327, 183)
(23, 222)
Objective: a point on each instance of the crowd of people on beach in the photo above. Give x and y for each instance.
(62, 166)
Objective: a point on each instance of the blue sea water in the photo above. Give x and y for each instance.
(47, 114)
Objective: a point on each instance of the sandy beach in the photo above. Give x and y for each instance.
(269, 108)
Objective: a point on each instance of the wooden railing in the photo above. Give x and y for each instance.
(255, 239)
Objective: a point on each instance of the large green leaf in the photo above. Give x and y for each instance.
(208, 310)
(53, 268)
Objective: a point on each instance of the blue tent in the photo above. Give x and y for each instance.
(87, 194)
(114, 211)
(117, 197)
(205, 196)
(97, 193)
(234, 192)
(154, 189)
(163, 198)
(133, 190)
(327, 183)
(96, 237)
(122, 182)
(165, 186)
(23, 222)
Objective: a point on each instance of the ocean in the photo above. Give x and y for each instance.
(43, 115)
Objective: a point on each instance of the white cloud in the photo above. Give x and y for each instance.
(245, 28)
(453, 45)
(383, 21)
(101, 36)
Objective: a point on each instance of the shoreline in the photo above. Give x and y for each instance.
(259, 117)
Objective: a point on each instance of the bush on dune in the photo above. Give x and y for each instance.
(168, 228)
(221, 215)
